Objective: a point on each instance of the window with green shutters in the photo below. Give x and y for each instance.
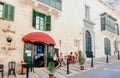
(6, 11)
(41, 21)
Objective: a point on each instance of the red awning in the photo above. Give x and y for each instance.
(39, 37)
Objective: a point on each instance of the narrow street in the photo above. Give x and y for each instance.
(108, 71)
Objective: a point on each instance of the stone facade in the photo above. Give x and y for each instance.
(68, 25)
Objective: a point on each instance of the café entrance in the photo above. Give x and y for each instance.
(36, 46)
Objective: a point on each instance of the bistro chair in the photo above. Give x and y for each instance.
(11, 68)
(2, 69)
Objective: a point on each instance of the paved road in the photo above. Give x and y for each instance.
(109, 71)
(98, 71)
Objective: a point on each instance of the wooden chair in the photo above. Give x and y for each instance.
(11, 68)
(2, 69)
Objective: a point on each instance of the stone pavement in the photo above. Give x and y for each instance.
(74, 68)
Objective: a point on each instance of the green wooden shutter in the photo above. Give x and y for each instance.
(6, 11)
(11, 13)
(34, 19)
(48, 23)
(103, 23)
(117, 29)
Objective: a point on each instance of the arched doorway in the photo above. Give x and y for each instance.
(88, 44)
(107, 46)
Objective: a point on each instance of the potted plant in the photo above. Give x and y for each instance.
(51, 68)
(81, 60)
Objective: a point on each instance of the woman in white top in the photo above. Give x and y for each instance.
(61, 59)
(56, 60)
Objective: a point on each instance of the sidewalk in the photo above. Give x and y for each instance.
(73, 68)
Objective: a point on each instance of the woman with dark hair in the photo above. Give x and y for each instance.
(56, 60)
(71, 57)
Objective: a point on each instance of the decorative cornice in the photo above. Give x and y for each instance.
(88, 23)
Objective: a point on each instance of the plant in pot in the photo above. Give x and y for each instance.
(81, 60)
(51, 68)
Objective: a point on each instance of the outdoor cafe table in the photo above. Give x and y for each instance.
(22, 70)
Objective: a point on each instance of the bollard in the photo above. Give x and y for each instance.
(67, 66)
(92, 61)
(118, 56)
(27, 70)
(107, 60)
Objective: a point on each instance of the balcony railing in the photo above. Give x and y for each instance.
(53, 3)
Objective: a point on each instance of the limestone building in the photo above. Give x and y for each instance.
(29, 29)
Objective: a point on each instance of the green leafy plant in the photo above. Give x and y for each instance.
(81, 58)
(51, 67)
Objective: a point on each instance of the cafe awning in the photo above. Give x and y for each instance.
(39, 37)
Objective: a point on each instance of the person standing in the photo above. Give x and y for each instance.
(61, 59)
(71, 57)
(56, 60)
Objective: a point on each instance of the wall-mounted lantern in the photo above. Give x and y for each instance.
(9, 39)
